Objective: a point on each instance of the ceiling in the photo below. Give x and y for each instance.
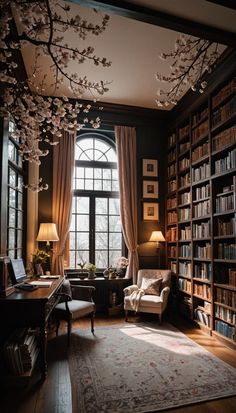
(138, 32)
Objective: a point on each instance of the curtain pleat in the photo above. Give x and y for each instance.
(63, 169)
(127, 173)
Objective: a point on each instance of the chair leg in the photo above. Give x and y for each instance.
(92, 321)
(126, 315)
(57, 326)
(69, 331)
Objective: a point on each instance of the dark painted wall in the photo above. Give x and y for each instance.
(150, 132)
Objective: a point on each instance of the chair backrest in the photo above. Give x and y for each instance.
(155, 273)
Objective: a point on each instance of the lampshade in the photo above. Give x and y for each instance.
(157, 236)
(47, 232)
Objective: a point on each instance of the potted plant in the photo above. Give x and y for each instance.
(91, 268)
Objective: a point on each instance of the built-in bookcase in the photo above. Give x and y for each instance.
(201, 212)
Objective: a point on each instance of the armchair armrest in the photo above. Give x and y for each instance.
(82, 292)
(128, 290)
(164, 296)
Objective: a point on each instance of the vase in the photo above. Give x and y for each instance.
(38, 270)
(91, 275)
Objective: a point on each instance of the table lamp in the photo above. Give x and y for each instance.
(47, 232)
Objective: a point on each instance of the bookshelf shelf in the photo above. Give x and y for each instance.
(205, 157)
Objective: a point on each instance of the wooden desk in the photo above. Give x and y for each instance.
(31, 309)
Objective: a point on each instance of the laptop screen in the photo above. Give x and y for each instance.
(17, 271)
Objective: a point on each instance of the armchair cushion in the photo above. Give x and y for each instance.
(151, 286)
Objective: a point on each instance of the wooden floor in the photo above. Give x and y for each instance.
(54, 394)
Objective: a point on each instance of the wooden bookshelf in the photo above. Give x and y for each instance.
(201, 240)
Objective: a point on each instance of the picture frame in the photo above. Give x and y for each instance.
(150, 211)
(150, 167)
(150, 189)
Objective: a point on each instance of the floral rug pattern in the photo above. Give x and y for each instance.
(137, 368)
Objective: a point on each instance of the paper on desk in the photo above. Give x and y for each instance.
(41, 283)
(48, 277)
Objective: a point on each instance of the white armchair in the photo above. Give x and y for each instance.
(150, 294)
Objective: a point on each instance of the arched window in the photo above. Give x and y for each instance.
(95, 231)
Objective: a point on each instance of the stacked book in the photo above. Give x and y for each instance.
(20, 351)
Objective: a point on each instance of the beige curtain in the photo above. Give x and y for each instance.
(63, 168)
(127, 172)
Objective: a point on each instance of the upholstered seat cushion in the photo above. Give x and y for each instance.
(146, 301)
(78, 308)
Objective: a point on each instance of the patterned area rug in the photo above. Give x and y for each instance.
(136, 368)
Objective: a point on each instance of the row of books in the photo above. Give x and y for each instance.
(226, 297)
(200, 151)
(226, 251)
(225, 329)
(225, 203)
(225, 314)
(185, 233)
(224, 112)
(172, 217)
(185, 307)
(202, 192)
(202, 316)
(185, 268)
(184, 131)
(202, 230)
(184, 214)
(183, 147)
(197, 117)
(20, 351)
(232, 277)
(171, 140)
(185, 251)
(171, 235)
(202, 209)
(202, 290)
(227, 163)
(184, 163)
(184, 285)
(171, 202)
(200, 131)
(185, 198)
(226, 227)
(203, 251)
(224, 139)
(201, 172)
(171, 170)
(224, 92)
(185, 180)
(171, 157)
(203, 270)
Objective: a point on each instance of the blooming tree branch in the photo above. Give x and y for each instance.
(37, 118)
(190, 61)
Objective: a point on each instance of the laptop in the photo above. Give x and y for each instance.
(18, 274)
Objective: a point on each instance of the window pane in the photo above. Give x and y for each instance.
(89, 184)
(101, 241)
(114, 174)
(115, 186)
(114, 256)
(101, 206)
(101, 259)
(19, 239)
(79, 184)
(82, 223)
(106, 174)
(114, 224)
(82, 239)
(82, 205)
(98, 185)
(72, 259)
(72, 223)
(114, 206)
(12, 197)
(19, 219)
(79, 172)
(11, 151)
(115, 240)
(97, 173)
(20, 200)
(19, 253)
(11, 238)
(106, 185)
(12, 217)
(88, 172)
(12, 177)
(101, 223)
(81, 256)
(72, 240)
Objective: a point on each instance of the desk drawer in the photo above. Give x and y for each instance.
(52, 302)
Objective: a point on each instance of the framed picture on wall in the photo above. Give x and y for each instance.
(150, 167)
(150, 189)
(150, 211)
